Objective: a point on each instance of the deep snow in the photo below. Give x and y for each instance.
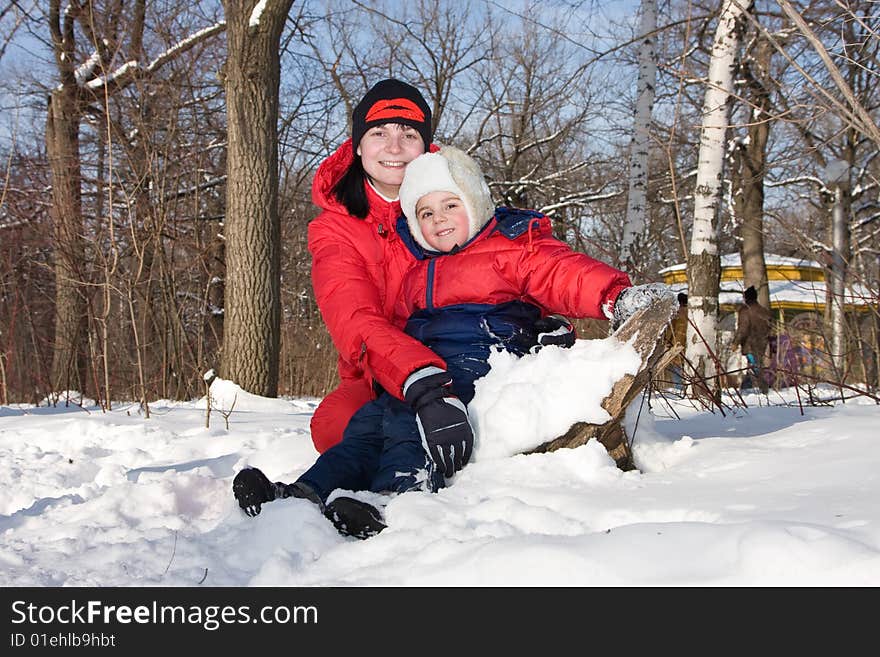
(762, 495)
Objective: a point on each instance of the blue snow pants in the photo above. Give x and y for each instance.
(381, 451)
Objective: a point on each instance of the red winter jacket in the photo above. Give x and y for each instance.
(514, 258)
(357, 269)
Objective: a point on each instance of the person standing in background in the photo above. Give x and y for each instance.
(753, 326)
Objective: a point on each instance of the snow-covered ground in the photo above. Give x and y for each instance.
(762, 495)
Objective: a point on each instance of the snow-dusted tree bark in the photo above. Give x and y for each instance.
(252, 308)
(637, 199)
(704, 264)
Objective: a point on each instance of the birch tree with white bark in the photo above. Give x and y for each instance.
(637, 198)
(704, 262)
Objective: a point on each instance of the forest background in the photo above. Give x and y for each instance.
(156, 161)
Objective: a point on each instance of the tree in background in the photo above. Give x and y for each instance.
(63, 116)
(749, 167)
(637, 197)
(252, 308)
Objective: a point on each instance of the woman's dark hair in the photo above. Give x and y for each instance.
(349, 190)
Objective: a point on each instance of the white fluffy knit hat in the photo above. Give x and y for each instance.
(447, 170)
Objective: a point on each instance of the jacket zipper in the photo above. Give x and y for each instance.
(429, 288)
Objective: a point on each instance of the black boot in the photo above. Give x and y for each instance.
(252, 489)
(352, 517)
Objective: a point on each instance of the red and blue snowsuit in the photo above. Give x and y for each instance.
(461, 305)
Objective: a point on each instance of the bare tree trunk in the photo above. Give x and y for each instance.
(637, 200)
(62, 147)
(704, 263)
(252, 314)
(750, 160)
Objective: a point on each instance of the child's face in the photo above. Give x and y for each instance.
(385, 150)
(443, 220)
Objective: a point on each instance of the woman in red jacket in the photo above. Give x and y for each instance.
(358, 260)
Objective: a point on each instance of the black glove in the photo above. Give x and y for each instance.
(442, 419)
(354, 517)
(252, 489)
(555, 329)
(635, 298)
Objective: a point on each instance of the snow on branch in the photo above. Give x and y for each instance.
(539, 141)
(208, 184)
(797, 180)
(127, 72)
(128, 68)
(580, 199)
(87, 68)
(525, 181)
(186, 44)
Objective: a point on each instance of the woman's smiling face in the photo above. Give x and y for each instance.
(385, 150)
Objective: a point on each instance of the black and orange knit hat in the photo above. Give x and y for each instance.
(391, 101)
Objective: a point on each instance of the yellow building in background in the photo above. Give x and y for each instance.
(798, 299)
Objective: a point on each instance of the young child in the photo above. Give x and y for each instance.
(482, 279)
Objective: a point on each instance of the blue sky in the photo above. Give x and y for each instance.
(26, 57)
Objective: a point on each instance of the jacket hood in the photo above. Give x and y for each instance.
(328, 174)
